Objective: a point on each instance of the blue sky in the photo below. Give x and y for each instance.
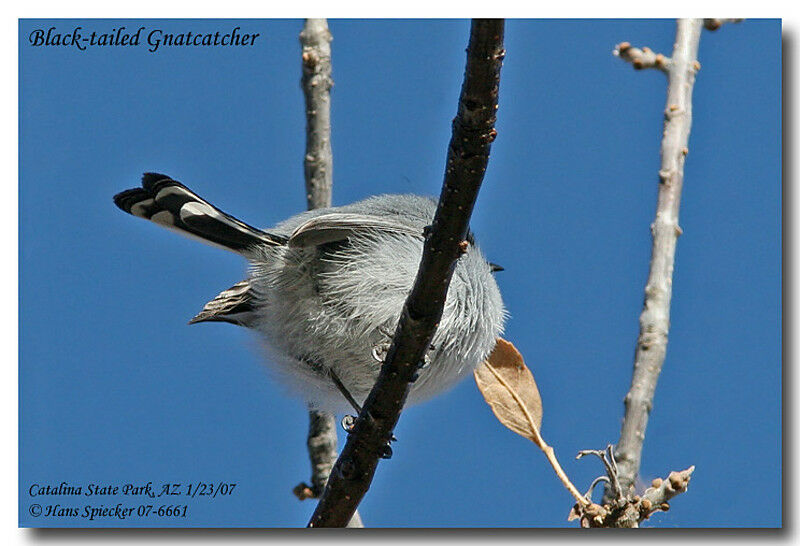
(116, 388)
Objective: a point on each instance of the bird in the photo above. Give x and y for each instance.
(325, 289)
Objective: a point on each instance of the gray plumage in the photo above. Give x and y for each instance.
(326, 287)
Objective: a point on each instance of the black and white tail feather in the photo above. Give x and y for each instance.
(170, 204)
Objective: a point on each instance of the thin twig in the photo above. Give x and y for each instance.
(641, 58)
(662, 490)
(714, 24)
(316, 83)
(612, 470)
(597, 480)
(651, 346)
(468, 155)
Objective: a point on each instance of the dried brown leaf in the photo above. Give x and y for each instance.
(508, 387)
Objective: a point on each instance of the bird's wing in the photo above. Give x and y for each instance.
(337, 226)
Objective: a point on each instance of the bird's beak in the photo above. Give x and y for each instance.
(495, 268)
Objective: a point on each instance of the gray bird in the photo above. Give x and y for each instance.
(326, 287)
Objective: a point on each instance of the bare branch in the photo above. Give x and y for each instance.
(641, 58)
(629, 512)
(714, 24)
(651, 346)
(662, 491)
(322, 452)
(468, 155)
(316, 82)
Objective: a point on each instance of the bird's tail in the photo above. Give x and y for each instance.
(174, 206)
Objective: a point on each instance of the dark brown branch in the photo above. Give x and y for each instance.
(467, 157)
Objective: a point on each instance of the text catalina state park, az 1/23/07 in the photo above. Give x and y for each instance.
(153, 39)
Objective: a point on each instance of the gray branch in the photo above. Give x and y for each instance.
(316, 82)
(651, 346)
(322, 452)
